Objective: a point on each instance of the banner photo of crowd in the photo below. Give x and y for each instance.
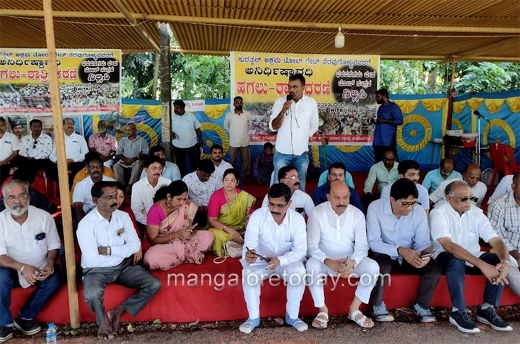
(344, 87)
(89, 85)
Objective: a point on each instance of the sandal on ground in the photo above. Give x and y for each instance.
(322, 322)
(297, 323)
(249, 325)
(361, 321)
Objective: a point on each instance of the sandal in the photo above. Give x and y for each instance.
(297, 323)
(249, 325)
(360, 321)
(322, 322)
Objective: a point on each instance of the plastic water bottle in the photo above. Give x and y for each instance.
(51, 334)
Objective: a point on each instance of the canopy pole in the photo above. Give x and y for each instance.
(166, 89)
(447, 153)
(156, 74)
(59, 141)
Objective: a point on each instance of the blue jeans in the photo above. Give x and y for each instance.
(456, 270)
(301, 162)
(43, 293)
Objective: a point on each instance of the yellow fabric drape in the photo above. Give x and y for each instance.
(474, 103)
(459, 106)
(494, 105)
(514, 104)
(215, 111)
(130, 111)
(434, 105)
(316, 155)
(407, 106)
(154, 111)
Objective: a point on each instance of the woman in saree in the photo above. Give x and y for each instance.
(170, 230)
(228, 211)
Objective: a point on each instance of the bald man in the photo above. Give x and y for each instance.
(131, 151)
(471, 176)
(456, 227)
(337, 247)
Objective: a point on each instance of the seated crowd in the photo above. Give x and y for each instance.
(426, 230)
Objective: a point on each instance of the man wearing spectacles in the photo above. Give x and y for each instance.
(37, 147)
(29, 246)
(279, 234)
(471, 176)
(300, 201)
(446, 171)
(456, 227)
(399, 240)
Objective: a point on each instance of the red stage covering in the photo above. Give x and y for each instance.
(223, 299)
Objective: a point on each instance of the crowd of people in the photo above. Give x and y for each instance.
(178, 212)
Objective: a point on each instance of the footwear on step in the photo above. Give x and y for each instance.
(360, 321)
(424, 314)
(463, 321)
(27, 327)
(381, 314)
(322, 322)
(6, 332)
(249, 325)
(489, 316)
(297, 323)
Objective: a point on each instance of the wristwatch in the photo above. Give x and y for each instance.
(109, 250)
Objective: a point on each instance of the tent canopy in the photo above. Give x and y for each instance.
(396, 29)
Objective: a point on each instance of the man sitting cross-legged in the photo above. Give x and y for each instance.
(337, 246)
(278, 234)
(108, 240)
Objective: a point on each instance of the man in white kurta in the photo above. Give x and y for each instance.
(278, 234)
(108, 240)
(338, 247)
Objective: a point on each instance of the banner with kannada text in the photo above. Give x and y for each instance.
(344, 87)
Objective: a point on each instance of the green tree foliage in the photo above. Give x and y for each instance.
(421, 77)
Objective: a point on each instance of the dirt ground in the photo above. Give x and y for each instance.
(406, 329)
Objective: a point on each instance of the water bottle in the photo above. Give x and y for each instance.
(51, 334)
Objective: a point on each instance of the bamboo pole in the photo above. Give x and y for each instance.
(59, 141)
(166, 89)
(156, 74)
(449, 120)
(267, 23)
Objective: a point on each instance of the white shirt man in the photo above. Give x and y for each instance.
(9, 146)
(83, 195)
(238, 123)
(144, 190)
(502, 188)
(279, 235)
(200, 191)
(75, 148)
(107, 239)
(471, 176)
(217, 156)
(337, 246)
(29, 245)
(37, 145)
(456, 227)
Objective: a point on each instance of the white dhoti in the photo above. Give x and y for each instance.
(293, 274)
(367, 270)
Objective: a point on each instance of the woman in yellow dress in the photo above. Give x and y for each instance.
(228, 212)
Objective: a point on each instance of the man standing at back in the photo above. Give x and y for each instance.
(295, 117)
(389, 116)
(238, 123)
(185, 130)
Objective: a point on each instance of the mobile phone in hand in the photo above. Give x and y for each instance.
(426, 256)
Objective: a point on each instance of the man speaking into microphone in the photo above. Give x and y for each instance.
(295, 117)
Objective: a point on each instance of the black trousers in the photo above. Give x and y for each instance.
(193, 154)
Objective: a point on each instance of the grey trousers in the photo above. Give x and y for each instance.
(119, 172)
(244, 155)
(95, 281)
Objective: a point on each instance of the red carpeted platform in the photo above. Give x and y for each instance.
(212, 292)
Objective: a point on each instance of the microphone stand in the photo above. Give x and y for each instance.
(477, 150)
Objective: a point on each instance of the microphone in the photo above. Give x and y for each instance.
(288, 98)
(478, 114)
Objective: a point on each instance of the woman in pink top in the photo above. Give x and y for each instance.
(228, 211)
(170, 230)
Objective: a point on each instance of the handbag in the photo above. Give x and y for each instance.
(232, 249)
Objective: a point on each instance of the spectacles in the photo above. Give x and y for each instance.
(292, 177)
(22, 197)
(277, 206)
(465, 199)
(34, 144)
(408, 204)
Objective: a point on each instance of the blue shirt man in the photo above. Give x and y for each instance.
(389, 116)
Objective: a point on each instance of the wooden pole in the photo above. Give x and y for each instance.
(447, 152)
(156, 74)
(166, 89)
(59, 141)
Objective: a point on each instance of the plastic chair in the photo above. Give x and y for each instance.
(503, 160)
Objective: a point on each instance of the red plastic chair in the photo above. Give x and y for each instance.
(502, 157)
